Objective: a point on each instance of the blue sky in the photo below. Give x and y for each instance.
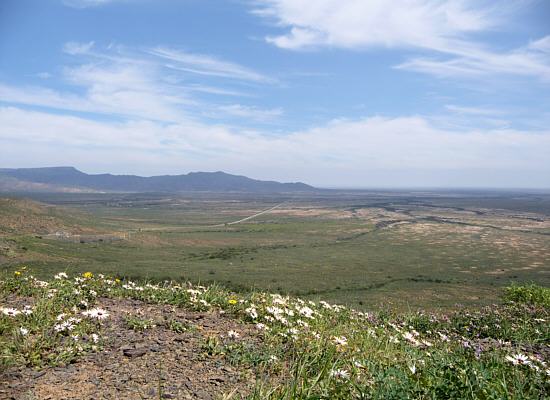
(348, 93)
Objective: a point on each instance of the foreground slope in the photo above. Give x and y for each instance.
(98, 337)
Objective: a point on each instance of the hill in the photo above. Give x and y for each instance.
(70, 179)
(22, 216)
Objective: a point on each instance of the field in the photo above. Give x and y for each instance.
(401, 250)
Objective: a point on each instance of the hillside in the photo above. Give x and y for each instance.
(98, 337)
(21, 216)
(63, 178)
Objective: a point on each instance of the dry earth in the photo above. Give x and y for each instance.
(134, 364)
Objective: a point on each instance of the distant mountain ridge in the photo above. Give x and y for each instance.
(70, 179)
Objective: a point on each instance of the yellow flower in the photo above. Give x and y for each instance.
(87, 275)
(232, 301)
(117, 280)
(17, 273)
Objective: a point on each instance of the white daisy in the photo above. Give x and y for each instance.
(11, 312)
(340, 374)
(97, 313)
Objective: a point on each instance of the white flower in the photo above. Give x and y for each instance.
(60, 316)
(394, 339)
(95, 337)
(274, 310)
(340, 340)
(61, 275)
(251, 311)
(261, 327)
(412, 369)
(340, 374)
(93, 293)
(325, 305)
(97, 313)
(302, 323)
(64, 326)
(23, 331)
(306, 312)
(410, 337)
(289, 312)
(10, 312)
(27, 310)
(233, 335)
(518, 359)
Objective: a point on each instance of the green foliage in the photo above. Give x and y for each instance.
(530, 294)
(177, 326)
(138, 324)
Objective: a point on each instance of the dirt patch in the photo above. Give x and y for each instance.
(135, 364)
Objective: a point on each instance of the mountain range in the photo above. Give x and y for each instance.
(70, 179)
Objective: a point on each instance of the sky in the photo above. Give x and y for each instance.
(334, 93)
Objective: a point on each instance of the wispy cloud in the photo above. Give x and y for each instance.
(74, 48)
(87, 3)
(249, 112)
(207, 65)
(530, 60)
(131, 83)
(473, 110)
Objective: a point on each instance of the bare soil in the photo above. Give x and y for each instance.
(135, 364)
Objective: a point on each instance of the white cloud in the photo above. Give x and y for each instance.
(530, 60)
(443, 27)
(207, 65)
(86, 3)
(376, 151)
(44, 75)
(362, 24)
(74, 48)
(255, 113)
(473, 110)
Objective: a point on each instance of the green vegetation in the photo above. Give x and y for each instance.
(302, 349)
(138, 324)
(531, 294)
(364, 250)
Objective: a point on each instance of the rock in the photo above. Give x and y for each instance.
(216, 378)
(133, 353)
(203, 395)
(38, 374)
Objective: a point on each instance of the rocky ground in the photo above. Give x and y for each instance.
(150, 364)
